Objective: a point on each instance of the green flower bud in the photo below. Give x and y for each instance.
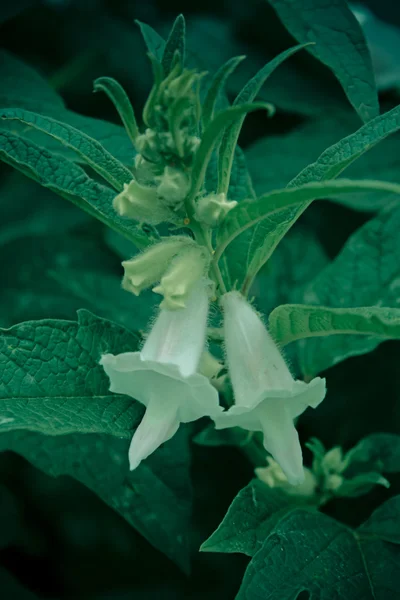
(274, 477)
(186, 269)
(173, 187)
(142, 203)
(147, 144)
(212, 209)
(147, 268)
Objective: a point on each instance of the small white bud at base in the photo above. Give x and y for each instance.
(212, 210)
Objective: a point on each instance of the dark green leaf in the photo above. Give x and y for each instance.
(119, 98)
(339, 44)
(175, 44)
(154, 42)
(217, 88)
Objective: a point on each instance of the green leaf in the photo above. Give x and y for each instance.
(378, 450)
(154, 42)
(212, 135)
(250, 518)
(22, 87)
(308, 551)
(381, 162)
(269, 208)
(365, 273)
(291, 322)
(90, 151)
(217, 88)
(339, 156)
(339, 44)
(175, 43)
(68, 180)
(155, 498)
(119, 98)
(51, 381)
(247, 95)
(102, 292)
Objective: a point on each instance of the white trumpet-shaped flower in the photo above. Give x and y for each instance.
(267, 398)
(163, 375)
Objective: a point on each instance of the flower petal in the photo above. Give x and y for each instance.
(120, 370)
(281, 439)
(159, 424)
(305, 395)
(178, 336)
(255, 362)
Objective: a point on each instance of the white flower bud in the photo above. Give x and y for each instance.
(212, 209)
(142, 204)
(173, 187)
(147, 268)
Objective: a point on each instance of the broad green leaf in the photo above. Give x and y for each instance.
(119, 98)
(68, 180)
(250, 518)
(90, 151)
(269, 171)
(291, 322)
(308, 551)
(217, 87)
(269, 208)
(365, 273)
(22, 87)
(212, 135)
(154, 42)
(339, 44)
(247, 95)
(175, 43)
(51, 381)
(155, 498)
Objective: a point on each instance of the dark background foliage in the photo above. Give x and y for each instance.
(66, 542)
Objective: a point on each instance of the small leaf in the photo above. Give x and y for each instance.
(249, 520)
(378, 450)
(154, 42)
(68, 180)
(217, 87)
(119, 98)
(339, 44)
(175, 44)
(291, 322)
(91, 151)
(247, 94)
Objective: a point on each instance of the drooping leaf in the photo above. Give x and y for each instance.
(290, 322)
(119, 98)
(68, 180)
(308, 551)
(339, 43)
(51, 381)
(90, 151)
(378, 450)
(175, 43)
(247, 95)
(155, 498)
(269, 209)
(365, 273)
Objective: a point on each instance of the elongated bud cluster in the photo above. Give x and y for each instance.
(212, 209)
(186, 269)
(143, 271)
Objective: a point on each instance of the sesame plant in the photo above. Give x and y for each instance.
(198, 349)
